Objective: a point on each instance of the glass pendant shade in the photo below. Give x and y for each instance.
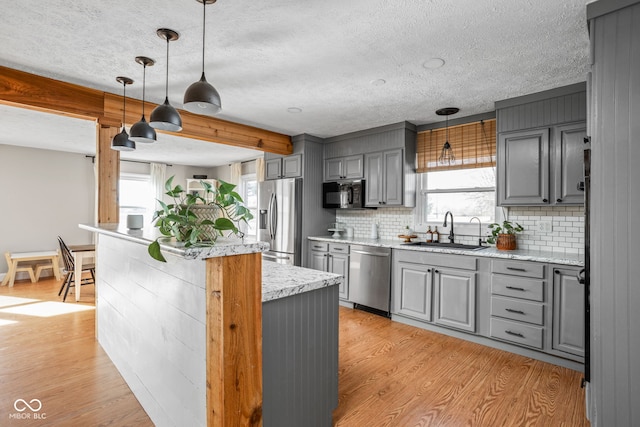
(164, 116)
(201, 97)
(121, 141)
(141, 131)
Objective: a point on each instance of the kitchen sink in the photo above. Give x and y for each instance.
(448, 245)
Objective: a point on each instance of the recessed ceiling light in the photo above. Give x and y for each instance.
(294, 110)
(378, 82)
(433, 63)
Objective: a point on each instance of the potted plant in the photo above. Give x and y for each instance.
(504, 236)
(193, 220)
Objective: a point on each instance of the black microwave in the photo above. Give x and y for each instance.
(343, 195)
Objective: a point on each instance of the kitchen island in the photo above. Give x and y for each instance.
(215, 322)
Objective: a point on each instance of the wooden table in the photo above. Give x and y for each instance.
(80, 252)
(16, 257)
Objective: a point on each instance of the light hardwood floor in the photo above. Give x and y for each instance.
(390, 374)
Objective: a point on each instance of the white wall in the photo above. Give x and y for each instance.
(45, 194)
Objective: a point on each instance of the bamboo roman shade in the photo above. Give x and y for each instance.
(473, 146)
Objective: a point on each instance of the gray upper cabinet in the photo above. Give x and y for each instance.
(351, 167)
(568, 312)
(284, 167)
(569, 163)
(540, 146)
(384, 178)
(523, 168)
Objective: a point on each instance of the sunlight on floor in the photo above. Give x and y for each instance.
(7, 322)
(46, 309)
(6, 301)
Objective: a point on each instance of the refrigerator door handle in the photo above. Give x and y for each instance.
(275, 215)
(271, 235)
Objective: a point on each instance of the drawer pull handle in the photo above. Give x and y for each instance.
(511, 310)
(516, 269)
(517, 334)
(515, 288)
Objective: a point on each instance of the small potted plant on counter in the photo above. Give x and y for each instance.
(504, 235)
(192, 220)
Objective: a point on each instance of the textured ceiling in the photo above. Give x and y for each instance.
(326, 58)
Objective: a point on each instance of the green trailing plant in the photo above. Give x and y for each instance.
(178, 219)
(507, 227)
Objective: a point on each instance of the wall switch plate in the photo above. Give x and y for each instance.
(545, 226)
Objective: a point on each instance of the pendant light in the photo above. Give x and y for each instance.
(164, 116)
(121, 141)
(446, 155)
(201, 97)
(141, 131)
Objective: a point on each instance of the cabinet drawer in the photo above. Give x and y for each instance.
(341, 248)
(518, 268)
(319, 246)
(524, 311)
(531, 289)
(519, 333)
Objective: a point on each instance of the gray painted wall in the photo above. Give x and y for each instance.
(615, 203)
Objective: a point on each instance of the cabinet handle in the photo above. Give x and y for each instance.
(511, 310)
(515, 288)
(516, 269)
(517, 334)
(544, 200)
(436, 271)
(379, 203)
(559, 200)
(428, 270)
(556, 271)
(586, 139)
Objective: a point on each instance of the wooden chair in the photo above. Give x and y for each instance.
(69, 269)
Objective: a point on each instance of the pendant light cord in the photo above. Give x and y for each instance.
(166, 80)
(144, 84)
(124, 102)
(204, 27)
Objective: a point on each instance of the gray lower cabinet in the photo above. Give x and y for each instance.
(350, 167)
(284, 167)
(384, 174)
(568, 312)
(332, 258)
(435, 287)
(455, 297)
(412, 290)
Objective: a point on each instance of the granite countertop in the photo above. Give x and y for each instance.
(489, 252)
(224, 246)
(280, 280)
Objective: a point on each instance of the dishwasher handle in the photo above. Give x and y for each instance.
(369, 253)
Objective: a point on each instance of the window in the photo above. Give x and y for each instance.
(464, 192)
(136, 196)
(249, 194)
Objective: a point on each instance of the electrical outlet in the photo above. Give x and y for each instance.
(545, 226)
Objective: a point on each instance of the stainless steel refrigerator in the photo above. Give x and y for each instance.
(280, 219)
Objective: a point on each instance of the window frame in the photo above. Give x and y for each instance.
(140, 177)
(243, 193)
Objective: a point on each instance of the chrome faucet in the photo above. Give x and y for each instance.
(451, 237)
(479, 229)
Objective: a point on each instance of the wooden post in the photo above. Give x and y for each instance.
(234, 340)
(108, 160)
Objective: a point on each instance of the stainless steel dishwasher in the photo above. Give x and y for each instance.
(370, 277)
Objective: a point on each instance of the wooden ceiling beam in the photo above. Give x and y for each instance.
(27, 90)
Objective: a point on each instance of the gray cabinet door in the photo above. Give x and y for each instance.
(455, 295)
(569, 163)
(273, 168)
(339, 264)
(292, 166)
(523, 168)
(568, 312)
(412, 290)
(333, 169)
(374, 179)
(353, 167)
(318, 260)
(393, 178)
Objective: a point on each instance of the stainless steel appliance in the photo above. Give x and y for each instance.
(280, 219)
(370, 278)
(343, 194)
